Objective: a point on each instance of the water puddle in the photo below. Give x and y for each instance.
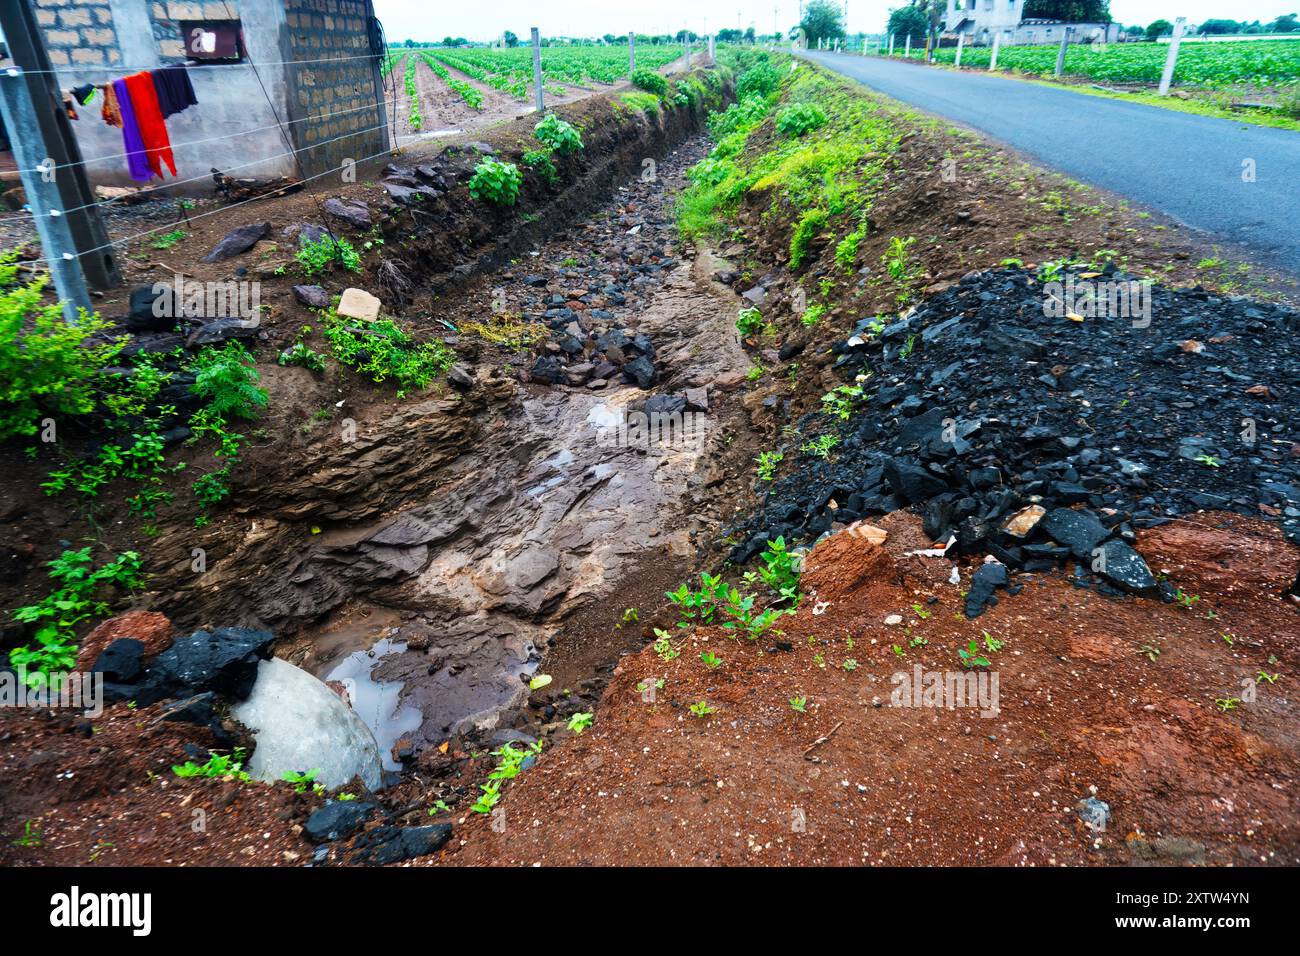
(377, 703)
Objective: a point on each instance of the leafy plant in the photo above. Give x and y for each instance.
(227, 379)
(701, 709)
(810, 223)
(317, 256)
(711, 661)
(580, 722)
(539, 160)
(496, 182)
(800, 119)
(841, 400)
(303, 781)
(559, 135)
(750, 322)
(650, 81)
(58, 614)
(799, 704)
(663, 646)
(812, 315)
(971, 657)
(381, 350)
(510, 763)
(47, 365)
(304, 356)
(169, 239)
(217, 765)
(767, 462)
(821, 446)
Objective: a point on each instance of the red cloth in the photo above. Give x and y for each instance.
(148, 116)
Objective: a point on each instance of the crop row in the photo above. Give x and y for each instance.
(1261, 62)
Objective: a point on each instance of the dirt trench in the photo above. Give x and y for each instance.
(464, 535)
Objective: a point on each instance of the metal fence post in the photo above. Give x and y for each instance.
(38, 175)
(537, 68)
(993, 58)
(1172, 59)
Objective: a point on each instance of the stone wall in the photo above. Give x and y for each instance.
(333, 83)
(79, 32)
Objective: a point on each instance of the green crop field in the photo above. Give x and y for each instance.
(510, 70)
(1257, 62)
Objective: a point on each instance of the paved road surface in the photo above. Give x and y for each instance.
(1188, 167)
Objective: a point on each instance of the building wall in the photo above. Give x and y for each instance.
(234, 126)
(333, 83)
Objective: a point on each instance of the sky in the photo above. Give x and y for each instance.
(423, 20)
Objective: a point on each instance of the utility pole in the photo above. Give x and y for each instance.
(51, 134)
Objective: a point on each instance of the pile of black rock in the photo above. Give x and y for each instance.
(1038, 434)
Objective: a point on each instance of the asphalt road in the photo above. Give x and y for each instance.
(1188, 167)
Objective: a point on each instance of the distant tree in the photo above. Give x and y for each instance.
(409, 44)
(1221, 27)
(511, 39)
(729, 36)
(1071, 11)
(749, 34)
(1158, 29)
(1287, 23)
(822, 20)
(1136, 31)
(908, 21)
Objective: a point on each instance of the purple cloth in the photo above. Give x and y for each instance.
(132, 142)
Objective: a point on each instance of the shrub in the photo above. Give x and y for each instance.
(739, 117)
(800, 119)
(650, 81)
(319, 255)
(647, 103)
(46, 364)
(762, 79)
(561, 136)
(497, 182)
(749, 321)
(227, 379)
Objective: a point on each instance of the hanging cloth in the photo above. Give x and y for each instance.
(148, 117)
(84, 93)
(174, 89)
(137, 163)
(110, 112)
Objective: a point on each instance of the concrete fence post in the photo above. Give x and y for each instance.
(891, 44)
(537, 69)
(907, 47)
(631, 53)
(993, 58)
(41, 188)
(961, 39)
(1060, 54)
(1171, 60)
